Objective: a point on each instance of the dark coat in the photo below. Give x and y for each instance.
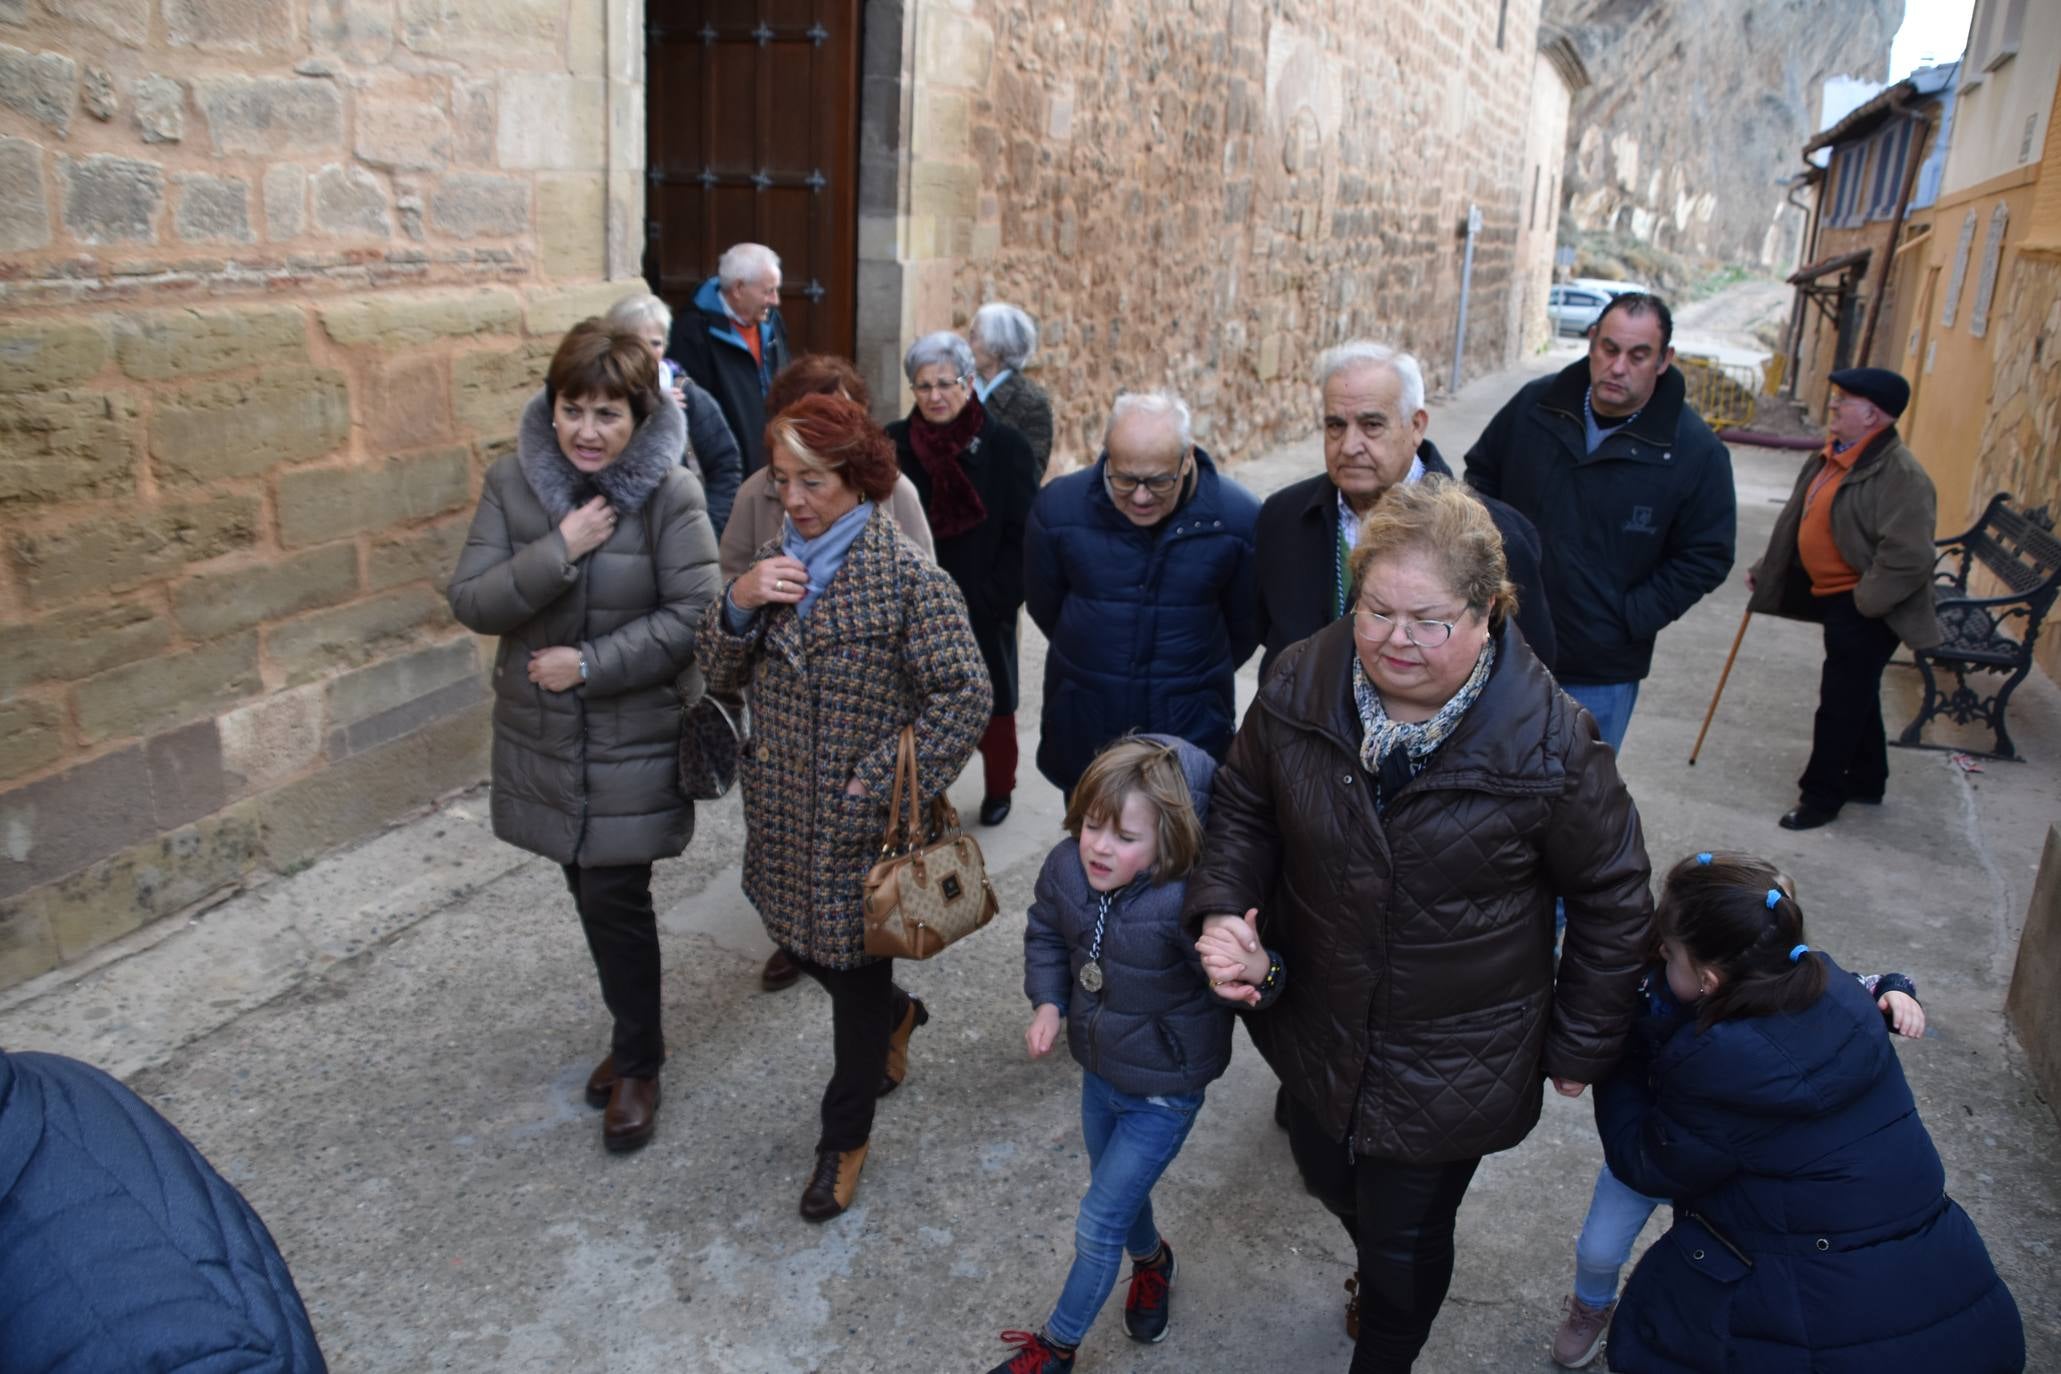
(716, 457)
(1155, 1026)
(1297, 547)
(121, 1249)
(1147, 627)
(1021, 404)
(987, 560)
(1633, 535)
(720, 362)
(1793, 1140)
(1883, 513)
(1421, 1006)
(590, 776)
(885, 645)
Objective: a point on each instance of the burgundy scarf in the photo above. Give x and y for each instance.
(955, 506)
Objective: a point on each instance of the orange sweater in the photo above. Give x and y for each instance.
(1829, 572)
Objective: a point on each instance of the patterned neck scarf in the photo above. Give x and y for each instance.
(1418, 738)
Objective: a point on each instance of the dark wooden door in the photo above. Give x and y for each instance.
(751, 118)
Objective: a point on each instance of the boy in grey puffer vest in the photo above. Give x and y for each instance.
(1104, 951)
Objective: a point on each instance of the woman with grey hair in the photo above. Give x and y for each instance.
(977, 478)
(1003, 339)
(711, 449)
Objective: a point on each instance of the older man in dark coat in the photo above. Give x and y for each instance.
(1374, 422)
(1853, 551)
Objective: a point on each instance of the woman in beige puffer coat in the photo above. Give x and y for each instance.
(592, 558)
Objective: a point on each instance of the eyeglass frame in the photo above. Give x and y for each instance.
(1389, 623)
(939, 388)
(1159, 483)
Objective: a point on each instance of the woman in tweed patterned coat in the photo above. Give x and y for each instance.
(844, 633)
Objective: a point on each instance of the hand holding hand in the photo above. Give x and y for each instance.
(1567, 1087)
(1904, 1013)
(586, 528)
(555, 670)
(779, 581)
(1043, 1032)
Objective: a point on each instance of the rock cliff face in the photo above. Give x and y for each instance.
(1698, 110)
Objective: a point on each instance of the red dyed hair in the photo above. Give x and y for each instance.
(831, 434)
(817, 374)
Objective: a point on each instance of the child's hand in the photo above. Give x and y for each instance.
(1226, 960)
(1043, 1032)
(1904, 1013)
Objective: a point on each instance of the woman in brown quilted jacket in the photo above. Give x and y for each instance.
(1402, 806)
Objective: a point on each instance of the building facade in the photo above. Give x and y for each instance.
(279, 277)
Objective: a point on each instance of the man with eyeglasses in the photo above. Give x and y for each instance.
(1632, 496)
(1140, 572)
(1374, 419)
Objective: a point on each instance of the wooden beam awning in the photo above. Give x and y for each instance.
(1853, 261)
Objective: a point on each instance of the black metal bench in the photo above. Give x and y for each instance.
(2020, 550)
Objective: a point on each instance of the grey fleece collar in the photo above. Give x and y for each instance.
(653, 451)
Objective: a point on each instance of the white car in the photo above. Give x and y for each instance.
(1575, 305)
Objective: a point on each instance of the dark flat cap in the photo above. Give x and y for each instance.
(1888, 390)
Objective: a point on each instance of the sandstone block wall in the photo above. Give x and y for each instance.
(277, 278)
(1202, 194)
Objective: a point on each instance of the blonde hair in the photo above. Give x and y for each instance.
(1153, 770)
(1443, 519)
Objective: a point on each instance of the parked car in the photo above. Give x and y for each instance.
(1574, 305)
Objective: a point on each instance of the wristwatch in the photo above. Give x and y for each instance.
(583, 667)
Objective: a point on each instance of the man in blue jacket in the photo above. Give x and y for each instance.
(120, 1248)
(1140, 572)
(733, 342)
(1632, 496)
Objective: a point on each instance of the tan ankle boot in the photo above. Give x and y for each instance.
(898, 1045)
(834, 1183)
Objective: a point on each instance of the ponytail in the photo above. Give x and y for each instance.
(1735, 914)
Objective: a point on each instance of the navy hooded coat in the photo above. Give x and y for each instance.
(1154, 1026)
(121, 1250)
(1812, 1233)
(1147, 627)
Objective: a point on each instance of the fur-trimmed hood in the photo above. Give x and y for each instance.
(653, 451)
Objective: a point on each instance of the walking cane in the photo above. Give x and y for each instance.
(1737, 640)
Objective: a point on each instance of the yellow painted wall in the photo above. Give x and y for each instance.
(1944, 426)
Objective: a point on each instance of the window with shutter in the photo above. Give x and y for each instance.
(1986, 284)
(1960, 275)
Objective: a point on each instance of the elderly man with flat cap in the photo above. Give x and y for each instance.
(1853, 551)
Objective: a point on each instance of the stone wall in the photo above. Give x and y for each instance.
(2020, 449)
(1201, 195)
(277, 279)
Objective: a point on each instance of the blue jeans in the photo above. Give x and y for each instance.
(1131, 1140)
(1616, 1216)
(1610, 703)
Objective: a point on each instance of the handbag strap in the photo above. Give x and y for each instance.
(905, 787)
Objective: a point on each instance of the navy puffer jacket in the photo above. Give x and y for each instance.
(1147, 626)
(121, 1250)
(1155, 1027)
(1812, 1233)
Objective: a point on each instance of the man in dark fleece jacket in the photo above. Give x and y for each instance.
(1632, 496)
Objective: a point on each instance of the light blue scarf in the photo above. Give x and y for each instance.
(824, 554)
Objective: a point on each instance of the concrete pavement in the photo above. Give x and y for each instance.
(385, 1051)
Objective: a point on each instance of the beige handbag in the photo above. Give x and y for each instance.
(923, 895)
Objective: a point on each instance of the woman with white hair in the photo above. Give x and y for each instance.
(977, 478)
(711, 449)
(1003, 339)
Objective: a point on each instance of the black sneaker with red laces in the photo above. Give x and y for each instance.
(1146, 1306)
(1034, 1355)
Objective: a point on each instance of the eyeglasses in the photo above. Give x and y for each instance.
(1376, 628)
(938, 388)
